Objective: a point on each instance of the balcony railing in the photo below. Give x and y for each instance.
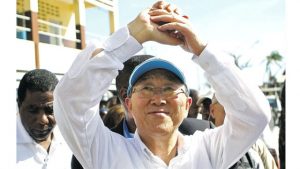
(54, 33)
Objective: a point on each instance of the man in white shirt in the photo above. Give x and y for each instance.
(158, 101)
(39, 143)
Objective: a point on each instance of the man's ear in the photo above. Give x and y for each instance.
(128, 104)
(211, 111)
(189, 102)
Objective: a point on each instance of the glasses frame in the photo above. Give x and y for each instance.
(160, 89)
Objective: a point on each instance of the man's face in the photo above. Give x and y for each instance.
(36, 112)
(158, 114)
(217, 112)
(195, 108)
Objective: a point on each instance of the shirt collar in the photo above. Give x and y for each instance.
(186, 141)
(22, 135)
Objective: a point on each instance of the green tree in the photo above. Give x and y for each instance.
(273, 58)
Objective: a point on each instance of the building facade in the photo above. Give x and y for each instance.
(50, 33)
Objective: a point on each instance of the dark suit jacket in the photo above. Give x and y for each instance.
(190, 125)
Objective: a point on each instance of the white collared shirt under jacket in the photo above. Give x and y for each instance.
(79, 92)
(31, 155)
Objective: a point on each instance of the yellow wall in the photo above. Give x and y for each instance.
(56, 11)
(20, 6)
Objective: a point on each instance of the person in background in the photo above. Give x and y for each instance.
(39, 142)
(204, 107)
(195, 109)
(157, 98)
(114, 116)
(258, 156)
(113, 101)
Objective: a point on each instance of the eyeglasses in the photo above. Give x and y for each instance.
(166, 92)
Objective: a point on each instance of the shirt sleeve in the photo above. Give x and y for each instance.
(77, 95)
(247, 109)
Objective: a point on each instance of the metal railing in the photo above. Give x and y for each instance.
(54, 33)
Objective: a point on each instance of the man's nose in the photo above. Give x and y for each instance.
(43, 117)
(158, 99)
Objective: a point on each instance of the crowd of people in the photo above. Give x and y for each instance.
(154, 120)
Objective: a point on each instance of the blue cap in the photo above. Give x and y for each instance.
(150, 64)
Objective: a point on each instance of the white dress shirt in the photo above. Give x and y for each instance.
(79, 92)
(31, 155)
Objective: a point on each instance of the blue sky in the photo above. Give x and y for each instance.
(240, 22)
(236, 25)
(251, 28)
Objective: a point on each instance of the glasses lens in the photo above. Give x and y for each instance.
(147, 91)
(166, 92)
(169, 92)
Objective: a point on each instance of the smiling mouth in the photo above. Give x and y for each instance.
(159, 113)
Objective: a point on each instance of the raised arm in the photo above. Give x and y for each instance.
(79, 92)
(248, 107)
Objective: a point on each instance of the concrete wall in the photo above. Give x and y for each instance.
(24, 51)
(57, 59)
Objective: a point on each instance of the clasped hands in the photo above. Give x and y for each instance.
(164, 23)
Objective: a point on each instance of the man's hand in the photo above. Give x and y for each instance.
(176, 25)
(179, 27)
(165, 6)
(164, 24)
(143, 30)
